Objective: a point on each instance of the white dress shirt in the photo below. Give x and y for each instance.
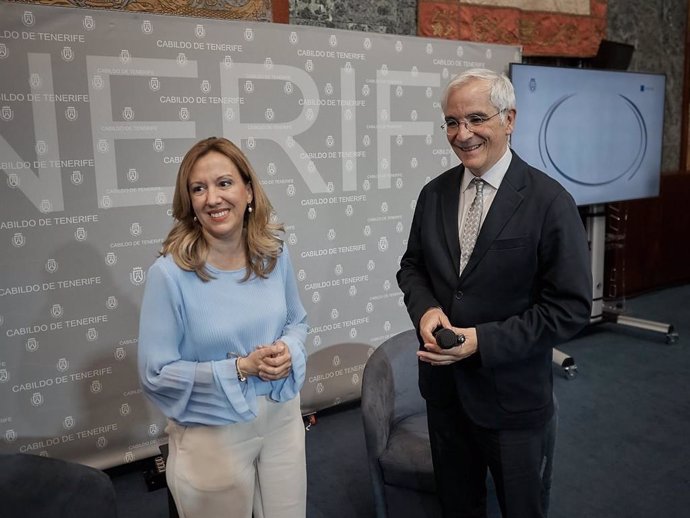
(492, 181)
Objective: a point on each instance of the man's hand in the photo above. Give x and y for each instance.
(434, 354)
(433, 318)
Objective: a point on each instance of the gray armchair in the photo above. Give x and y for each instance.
(397, 438)
(395, 430)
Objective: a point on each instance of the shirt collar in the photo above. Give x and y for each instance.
(494, 176)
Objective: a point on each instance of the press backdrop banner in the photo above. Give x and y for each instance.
(97, 109)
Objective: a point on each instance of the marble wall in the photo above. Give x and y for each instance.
(655, 27)
(657, 31)
(383, 16)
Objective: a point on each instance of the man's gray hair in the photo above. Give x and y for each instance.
(501, 93)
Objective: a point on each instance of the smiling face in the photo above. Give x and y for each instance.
(219, 196)
(484, 146)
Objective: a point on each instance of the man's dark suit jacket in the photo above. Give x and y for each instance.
(526, 288)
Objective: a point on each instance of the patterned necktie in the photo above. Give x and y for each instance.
(470, 229)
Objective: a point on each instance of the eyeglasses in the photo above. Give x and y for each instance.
(452, 125)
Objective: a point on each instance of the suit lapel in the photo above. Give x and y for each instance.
(508, 198)
(450, 200)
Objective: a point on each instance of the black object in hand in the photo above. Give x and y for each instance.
(446, 338)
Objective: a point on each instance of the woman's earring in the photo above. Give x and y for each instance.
(249, 209)
(195, 220)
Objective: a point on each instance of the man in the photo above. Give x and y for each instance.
(512, 292)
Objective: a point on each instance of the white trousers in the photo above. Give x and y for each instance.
(238, 469)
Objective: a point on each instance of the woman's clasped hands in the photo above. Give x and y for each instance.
(268, 362)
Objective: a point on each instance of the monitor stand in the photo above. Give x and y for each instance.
(596, 235)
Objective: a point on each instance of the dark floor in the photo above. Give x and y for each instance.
(622, 449)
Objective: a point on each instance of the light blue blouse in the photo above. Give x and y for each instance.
(187, 328)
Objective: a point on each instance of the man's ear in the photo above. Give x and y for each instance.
(510, 121)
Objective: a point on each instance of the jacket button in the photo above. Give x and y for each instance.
(458, 294)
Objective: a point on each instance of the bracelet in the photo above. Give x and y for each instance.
(240, 374)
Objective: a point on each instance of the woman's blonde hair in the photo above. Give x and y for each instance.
(186, 242)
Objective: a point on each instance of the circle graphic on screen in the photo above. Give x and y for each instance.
(593, 139)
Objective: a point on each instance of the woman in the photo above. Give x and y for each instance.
(221, 345)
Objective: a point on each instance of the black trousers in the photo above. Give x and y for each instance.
(520, 463)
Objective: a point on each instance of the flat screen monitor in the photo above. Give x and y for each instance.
(598, 132)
